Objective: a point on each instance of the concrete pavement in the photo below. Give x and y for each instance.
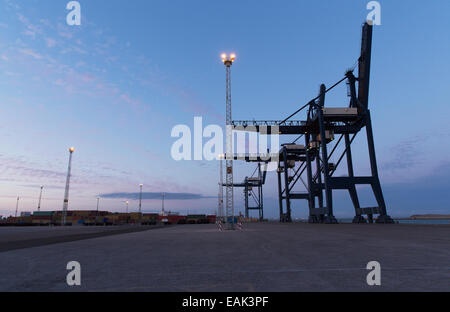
(263, 257)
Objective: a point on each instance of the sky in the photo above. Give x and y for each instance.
(115, 87)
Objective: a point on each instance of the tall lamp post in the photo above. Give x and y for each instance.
(228, 62)
(40, 198)
(163, 197)
(17, 205)
(98, 204)
(127, 202)
(66, 194)
(140, 203)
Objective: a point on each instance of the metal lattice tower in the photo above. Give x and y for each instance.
(220, 212)
(66, 193)
(229, 206)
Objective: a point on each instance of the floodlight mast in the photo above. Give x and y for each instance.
(66, 193)
(228, 61)
(220, 210)
(140, 203)
(40, 199)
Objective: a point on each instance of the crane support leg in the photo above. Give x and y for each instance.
(329, 218)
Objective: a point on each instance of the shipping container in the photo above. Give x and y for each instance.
(235, 220)
(212, 219)
(42, 217)
(43, 213)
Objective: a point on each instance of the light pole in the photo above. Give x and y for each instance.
(140, 204)
(40, 198)
(66, 194)
(163, 196)
(228, 62)
(98, 203)
(127, 203)
(17, 205)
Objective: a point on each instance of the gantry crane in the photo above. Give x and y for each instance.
(319, 129)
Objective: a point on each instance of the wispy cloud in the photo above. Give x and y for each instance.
(65, 34)
(405, 154)
(129, 100)
(50, 42)
(32, 53)
(30, 29)
(38, 186)
(429, 194)
(152, 195)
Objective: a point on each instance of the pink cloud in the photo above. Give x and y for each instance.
(59, 82)
(66, 35)
(23, 19)
(87, 78)
(30, 52)
(31, 30)
(46, 22)
(127, 99)
(50, 42)
(29, 33)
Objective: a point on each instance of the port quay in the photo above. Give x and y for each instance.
(211, 155)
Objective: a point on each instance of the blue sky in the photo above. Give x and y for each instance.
(115, 87)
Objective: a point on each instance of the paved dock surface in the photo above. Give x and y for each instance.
(14, 238)
(263, 257)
